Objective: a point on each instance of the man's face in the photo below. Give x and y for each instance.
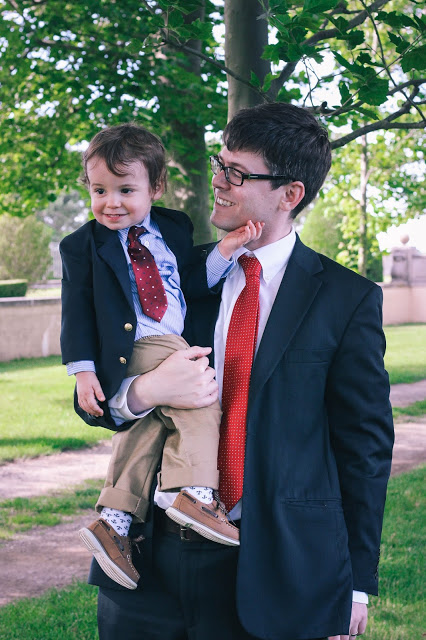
(119, 201)
(254, 200)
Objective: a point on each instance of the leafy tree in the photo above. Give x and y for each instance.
(321, 229)
(69, 68)
(24, 248)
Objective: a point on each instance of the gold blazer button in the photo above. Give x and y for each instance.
(128, 326)
(123, 360)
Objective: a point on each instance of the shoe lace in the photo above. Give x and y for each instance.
(134, 542)
(220, 504)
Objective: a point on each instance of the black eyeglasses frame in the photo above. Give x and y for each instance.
(214, 161)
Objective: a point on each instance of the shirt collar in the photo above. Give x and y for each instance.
(273, 257)
(147, 223)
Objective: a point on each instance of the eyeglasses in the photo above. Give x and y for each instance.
(236, 177)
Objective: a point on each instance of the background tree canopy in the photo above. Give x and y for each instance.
(67, 69)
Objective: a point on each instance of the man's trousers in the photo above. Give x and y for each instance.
(189, 594)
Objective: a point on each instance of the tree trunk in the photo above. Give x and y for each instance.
(245, 39)
(363, 230)
(193, 195)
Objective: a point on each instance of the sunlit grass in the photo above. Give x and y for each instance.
(405, 357)
(21, 514)
(36, 410)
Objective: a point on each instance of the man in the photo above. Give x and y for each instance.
(308, 473)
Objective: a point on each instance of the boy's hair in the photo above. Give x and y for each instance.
(290, 140)
(123, 144)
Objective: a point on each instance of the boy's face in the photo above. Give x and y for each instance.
(120, 201)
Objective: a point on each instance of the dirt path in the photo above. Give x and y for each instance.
(404, 394)
(39, 476)
(60, 558)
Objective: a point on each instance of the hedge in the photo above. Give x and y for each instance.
(13, 288)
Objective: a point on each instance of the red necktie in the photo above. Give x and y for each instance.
(239, 354)
(148, 280)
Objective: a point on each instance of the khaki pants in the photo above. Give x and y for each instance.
(185, 440)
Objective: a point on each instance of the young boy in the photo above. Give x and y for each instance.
(123, 312)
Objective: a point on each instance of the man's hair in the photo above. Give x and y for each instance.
(123, 144)
(290, 140)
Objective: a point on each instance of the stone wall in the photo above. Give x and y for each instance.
(403, 304)
(29, 327)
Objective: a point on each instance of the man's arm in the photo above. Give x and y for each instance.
(361, 431)
(183, 381)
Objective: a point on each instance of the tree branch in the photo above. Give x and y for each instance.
(375, 126)
(383, 61)
(323, 34)
(355, 22)
(217, 64)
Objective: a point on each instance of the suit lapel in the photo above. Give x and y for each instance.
(297, 291)
(110, 250)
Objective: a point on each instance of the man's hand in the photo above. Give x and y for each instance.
(240, 237)
(183, 381)
(358, 622)
(89, 391)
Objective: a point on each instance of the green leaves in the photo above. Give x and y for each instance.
(319, 6)
(374, 90)
(414, 59)
(69, 69)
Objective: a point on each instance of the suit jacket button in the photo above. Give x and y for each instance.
(123, 360)
(128, 326)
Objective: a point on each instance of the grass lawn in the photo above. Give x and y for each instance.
(405, 357)
(69, 614)
(36, 409)
(415, 409)
(48, 292)
(21, 514)
(398, 614)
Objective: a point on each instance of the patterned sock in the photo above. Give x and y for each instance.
(120, 521)
(203, 494)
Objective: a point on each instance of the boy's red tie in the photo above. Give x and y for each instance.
(148, 280)
(239, 354)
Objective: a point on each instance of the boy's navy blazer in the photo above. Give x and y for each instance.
(318, 452)
(98, 319)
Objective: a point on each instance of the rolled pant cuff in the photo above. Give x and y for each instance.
(124, 501)
(175, 479)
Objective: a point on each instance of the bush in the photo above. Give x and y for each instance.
(13, 288)
(24, 248)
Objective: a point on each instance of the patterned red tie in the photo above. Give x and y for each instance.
(239, 354)
(148, 280)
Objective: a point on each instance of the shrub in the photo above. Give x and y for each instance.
(13, 288)
(24, 248)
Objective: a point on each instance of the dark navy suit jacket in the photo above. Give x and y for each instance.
(318, 452)
(97, 305)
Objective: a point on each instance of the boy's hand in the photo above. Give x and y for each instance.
(88, 392)
(240, 237)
